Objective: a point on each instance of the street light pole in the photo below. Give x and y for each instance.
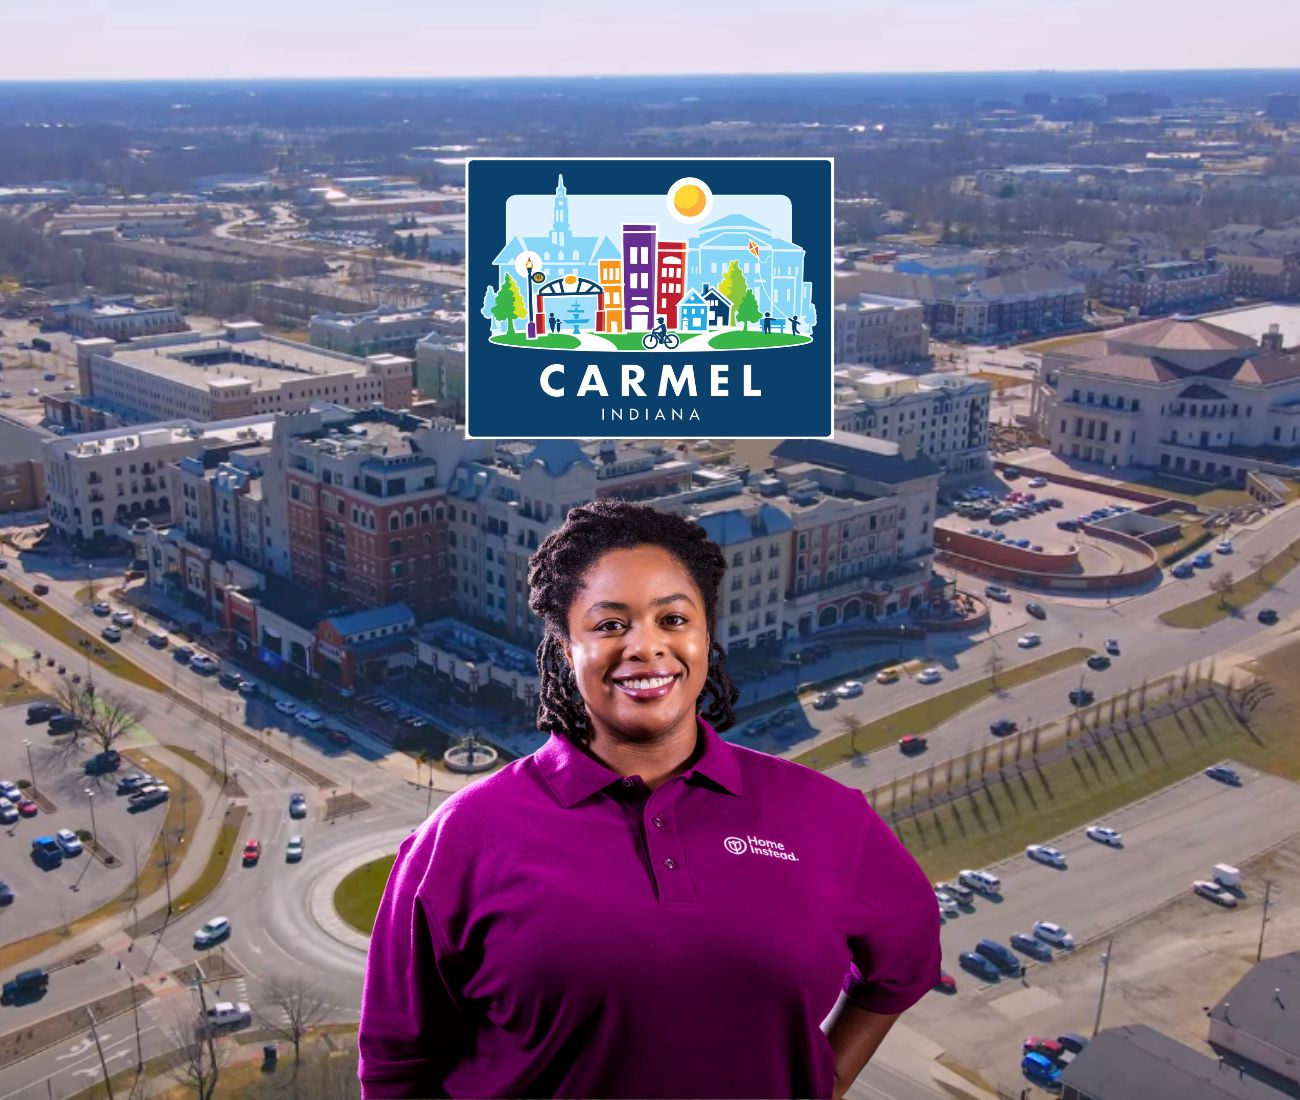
(90, 794)
(135, 1012)
(1101, 998)
(167, 870)
(1263, 918)
(30, 769)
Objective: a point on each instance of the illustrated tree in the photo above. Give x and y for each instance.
(734, 286)
(1221, 585)
(489, 303)
(810, 318)
(509, 305)
(747, 312)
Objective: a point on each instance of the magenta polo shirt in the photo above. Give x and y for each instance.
(558, 930)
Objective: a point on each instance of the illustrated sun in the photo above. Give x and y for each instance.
(690, 200)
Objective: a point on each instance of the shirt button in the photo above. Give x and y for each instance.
(670, 863)
(628, 781)
(659, 822)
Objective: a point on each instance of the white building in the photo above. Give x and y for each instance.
(233, 373)
(1179, 394)
(119, 319)
(944, 415)
(881, 330)
(377, 331)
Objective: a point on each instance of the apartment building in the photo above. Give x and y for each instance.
(385, 330)
(1160, 287)
(880, 330)
(755, 536)
(944, 415)
(237, 371)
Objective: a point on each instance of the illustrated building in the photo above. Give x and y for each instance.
(776, 275)
(639, 271)
(693, 313)
(670, 282)
(611, 282)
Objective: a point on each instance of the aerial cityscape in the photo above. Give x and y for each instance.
(264, 603)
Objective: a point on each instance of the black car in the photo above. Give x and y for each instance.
(1002, 727)
(1072, 1041)
(1224, 774)
(1098, 662)
(1010, 473)
(41, 712)
(1036, 610)
(106, 761)
(1000, 956)
(25, 986)
(6, 894)
(1031, 946)
(979, 966)
(230, 680)
(1067, 525)
(1082, 697)
(64, 723)
(1267, 616)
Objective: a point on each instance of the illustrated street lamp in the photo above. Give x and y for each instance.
(528, 290)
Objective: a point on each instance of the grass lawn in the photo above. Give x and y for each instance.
(1092, 781)
(218, 861)
(546, 340)
(924, 716)
(1210, 609)
(14, 689)
(1058, 342)
(736, 340)
(1194, 536)
(357, 898)
(1002, 382)
(631, 341)
(1194, 492)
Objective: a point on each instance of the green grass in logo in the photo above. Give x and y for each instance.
(740, 339)
(546, 340)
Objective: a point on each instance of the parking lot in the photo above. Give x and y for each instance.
(25, 369)
(81, 882)
(1169, 840)
(1041, 528)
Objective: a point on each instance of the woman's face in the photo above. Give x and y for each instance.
(639, 643)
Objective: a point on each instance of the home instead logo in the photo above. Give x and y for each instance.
(681, 299)
(773, 849)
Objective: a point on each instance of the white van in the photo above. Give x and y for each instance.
(310, 719)
(982, 881)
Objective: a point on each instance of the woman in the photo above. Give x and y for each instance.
(640, 909)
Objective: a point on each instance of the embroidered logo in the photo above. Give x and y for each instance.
(773, 849)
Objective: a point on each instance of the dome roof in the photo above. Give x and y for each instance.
(1178, 333)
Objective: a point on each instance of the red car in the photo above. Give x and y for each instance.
(946, 983)
(1047, 1047)
(252, 853)
(27, 807)
(338, 737)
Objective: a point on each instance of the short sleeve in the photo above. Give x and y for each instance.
(894, 924)
(411, 1026)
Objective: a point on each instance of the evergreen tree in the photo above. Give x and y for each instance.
(424, 246)
(747, 312)
(509, 304)
(734, 288)
(410, 246)
(810, 318)
(397, 246)
(489, 303)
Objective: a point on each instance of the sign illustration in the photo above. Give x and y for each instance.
(663, 298)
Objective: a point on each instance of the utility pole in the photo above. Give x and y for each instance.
(103, 1065)
(167, 871)
(1101, 997)
(203, 1006)
(135, 1012)
(1263, 918)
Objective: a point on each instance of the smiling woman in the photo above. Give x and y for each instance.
(640, 908)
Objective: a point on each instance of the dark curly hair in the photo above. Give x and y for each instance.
(555, 575)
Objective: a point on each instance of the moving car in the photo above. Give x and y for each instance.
(912, 744)
(997, 592)
(214, 931)
(227, 1014)
(888, 675)
(1031, 946)
(102, 608)
(1225, 547)
(930, 675)
(293, 851)
(1002, 727)
(286, 706)
(69, 842)
(111, 634)
(149, 795)
(1050, 932)
(1038, 483)
(297, 805)
(123, 619)
(1045, 853)
(1267, 616)
(1224, 774)
(1082, 697)
(1216, 893)
(25, 985)
(1112, 646)
(1203, 561)
(849, 689)
(979, 966)
(1098, 662)
(41, 588)
(823, 700)
(1028, 641)
(1036, 610)
(252, 852)
(1104, 834)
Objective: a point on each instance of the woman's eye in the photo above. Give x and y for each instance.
(608, 623)
(681, 619)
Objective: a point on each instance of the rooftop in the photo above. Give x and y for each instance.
(1265, 1004)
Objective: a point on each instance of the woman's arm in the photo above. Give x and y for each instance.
(854, 1035)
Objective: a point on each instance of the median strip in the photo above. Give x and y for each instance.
(926, 715)
(1207, 610)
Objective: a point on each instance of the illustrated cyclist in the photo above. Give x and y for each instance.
(660, 330)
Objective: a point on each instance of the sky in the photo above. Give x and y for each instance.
(156, 39)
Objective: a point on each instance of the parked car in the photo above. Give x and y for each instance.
(10, 790)
(1045, 853)
(1031, 946)
(41, 588)
(26, 807)
(849, 689)
(46, 851)
(947, 905)
(183, 654)
(1050, 932)
(997, 592)
(309, 718)
(1067, 524)
(64, 723)
(252, 852)
(204, 664)
(1000, 956)
(248, 688)
(8, 812)
(293, 850)
(124, 619)
(1072, 1041)
(1112, 646)
(1098, 662)
(213, 931)
(41, 711)
(962, 894)
(1207, 888)
(1104, 834)
(1002, 727)
(297, 805)
(230, 680)
(68, 841)
(824, 700)
(338, 737)
(888, 675)
(1267, 616)
(983, 881)
(6, 893)
(1224, 774)
(102, 608)
(286, 706)
(111, 634)
(158, 640)
(129, 784)
(1040, 1070)
(1183, 570)
(930, 675)
(1036, 610)
(1029, 641)
(107, 761)
(979, 966)
(1035, 1044)
(946, 983)
(912, 744)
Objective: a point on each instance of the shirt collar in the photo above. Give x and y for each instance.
(574, 776)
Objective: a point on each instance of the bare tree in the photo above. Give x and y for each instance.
(111, 717)
(199, 1059)
(77, 701)
(1259, 563)
(295, 1008)
(994, 664)
(1222, 585)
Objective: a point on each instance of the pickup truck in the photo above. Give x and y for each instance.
(226, 1014)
